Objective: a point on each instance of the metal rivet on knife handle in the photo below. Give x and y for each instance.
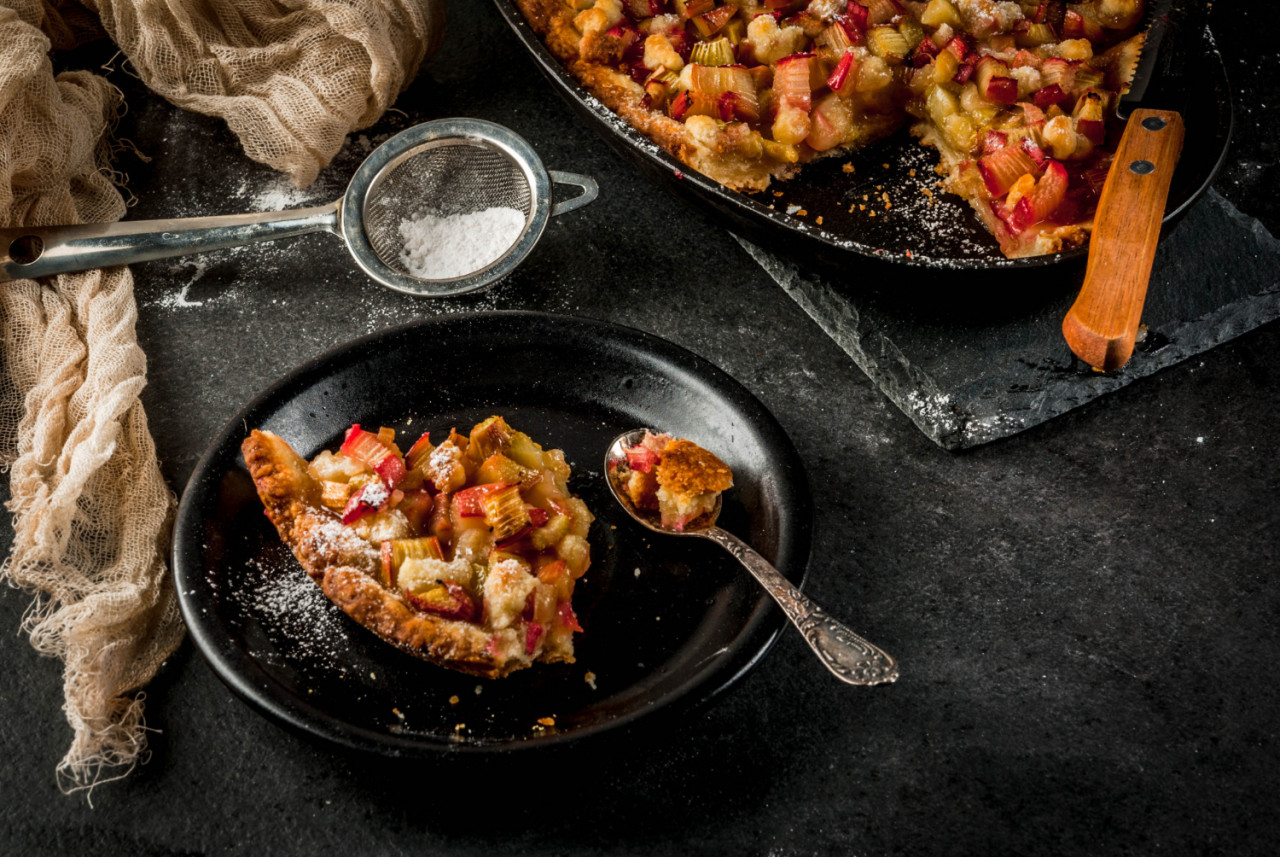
(1142, 168)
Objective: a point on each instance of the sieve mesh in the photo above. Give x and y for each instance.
(444, 178)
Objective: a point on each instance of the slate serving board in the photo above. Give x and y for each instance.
(972, 368)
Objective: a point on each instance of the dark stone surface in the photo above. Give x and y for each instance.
(1084, 612)
(968, 375)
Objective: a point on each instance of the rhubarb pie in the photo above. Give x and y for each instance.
(463, 553)
(678, 479)
(1016, 97)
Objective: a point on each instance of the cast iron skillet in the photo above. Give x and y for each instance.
(669, 623)
(912, 233)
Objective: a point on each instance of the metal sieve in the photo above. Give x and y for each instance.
(443, 168)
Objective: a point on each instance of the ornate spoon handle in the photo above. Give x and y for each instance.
(848, 656)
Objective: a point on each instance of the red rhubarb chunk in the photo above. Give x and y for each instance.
(641, 458)
(1003, 167)
(857, 15)
(567, 617)
(841, 72)
(448, 600)
(680, 105)
(532, 634)
(1047, 96)
(470, 503)
(1093, 129)
(368, 500)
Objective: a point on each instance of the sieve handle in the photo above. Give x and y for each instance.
(48, 250)
(590, 190)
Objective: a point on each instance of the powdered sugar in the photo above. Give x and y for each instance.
(444, 248)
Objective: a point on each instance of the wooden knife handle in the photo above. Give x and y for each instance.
(1101, 325)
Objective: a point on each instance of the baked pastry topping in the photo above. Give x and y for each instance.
(675, 477)
(464, 553)
(1016, 97)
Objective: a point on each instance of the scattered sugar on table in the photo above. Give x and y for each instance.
(443, 248)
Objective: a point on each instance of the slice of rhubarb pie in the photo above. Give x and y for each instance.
(675, 477)
(464, 553)
(1015, 96)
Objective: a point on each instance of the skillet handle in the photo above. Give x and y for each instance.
(1102, 324)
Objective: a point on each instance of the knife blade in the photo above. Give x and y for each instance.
(1174, 31)
(1102, 324)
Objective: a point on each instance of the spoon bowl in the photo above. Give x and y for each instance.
(848, 656)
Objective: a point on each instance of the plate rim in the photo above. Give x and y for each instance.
(763, 218)
(262, 694)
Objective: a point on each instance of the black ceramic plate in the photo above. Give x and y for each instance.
(669, 622)
(937, 231)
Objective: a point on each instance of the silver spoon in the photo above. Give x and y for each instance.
(851, 658)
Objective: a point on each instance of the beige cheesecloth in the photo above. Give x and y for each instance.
(91, 511)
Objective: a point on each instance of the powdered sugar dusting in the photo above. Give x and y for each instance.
(444, 248)
(294, 612)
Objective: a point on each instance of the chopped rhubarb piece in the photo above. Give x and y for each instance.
(710, 23)
(888, 43)
(718, 52)
(840, 73)
(725, 93)
(1047, 96)
(832, 121)
(369, 448)
(1038, 205)
(687, 9)
(994, 81)
(1031, 34)
(505, 512)
(334, 494)
(538, 517)
(1094, 130)
(680, 105)
(682, 42)
(791, 82)
(1025, 59)
(641, 458)
(1037, 154)
(1078, 26)
(1062, 72)
(959, 47)
(396, 551)
(470, 502)
(552, 572)
(993, 141)
(1088, 77)
(794, 98)
(532, 634)
(371, 497)
(963, 73)
(857, 15)
(1003, 167)
(638, 10)
(510, 541)
(924, 53)
(448, 600)
(416, 507)
(567, 617)
(1088, 116)
(882, 11)
(419, 452)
